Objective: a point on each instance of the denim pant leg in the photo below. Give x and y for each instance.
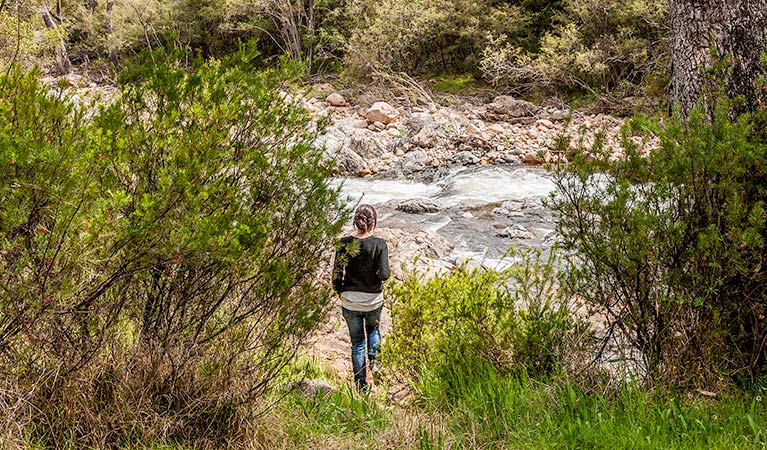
(372, 321)
(362, 325)
(355, 322)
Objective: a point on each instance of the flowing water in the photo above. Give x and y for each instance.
(477, 207)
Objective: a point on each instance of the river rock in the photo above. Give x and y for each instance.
(516, 232)
(311, 387)
(522, 208)
(534, 158)
(347, 161)
(335, 99)
(399, 146)
(454, 119)
(474, 129)
(332, 141)
(507, 108)
(512, 208)
(495, 129)
(417, 206)
(366, 144)
(381, 112)
(427, 137)
(465, 158)
(508, 159)
(544, 123)
(416, 248)
(417, 121)
(413, 162)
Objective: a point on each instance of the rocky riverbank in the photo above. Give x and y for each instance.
(395, 141)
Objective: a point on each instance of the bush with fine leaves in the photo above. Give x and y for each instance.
(596, 47)
(470, 321)
(670, 247)
(159, 258)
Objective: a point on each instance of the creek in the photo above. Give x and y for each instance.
(482, 211)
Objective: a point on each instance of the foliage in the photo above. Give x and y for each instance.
(453, 84)
(310, 32)
(560, 46)
(492, 411)
(419, 37)
(670, 247)
(595, 46)
(514, 320)
(23, 38)
(159, 256)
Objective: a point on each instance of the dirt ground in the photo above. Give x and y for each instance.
(331, 344)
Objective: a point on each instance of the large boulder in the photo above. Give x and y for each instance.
(407, 244)
(516, 232)
(332, 141)
(348, 161)
(465, 158)
(507, 108)
(381, 112)
(335, 99)
(413, 162)
(366, 143)
(417, 206)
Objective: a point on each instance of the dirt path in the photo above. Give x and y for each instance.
(331, 345)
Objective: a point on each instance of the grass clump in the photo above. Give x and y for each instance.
(454, 84)
(495, 411)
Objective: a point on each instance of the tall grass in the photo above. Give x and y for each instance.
(491, 411)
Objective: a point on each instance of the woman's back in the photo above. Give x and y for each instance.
(362, 265)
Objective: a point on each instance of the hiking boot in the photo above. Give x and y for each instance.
(375, 368)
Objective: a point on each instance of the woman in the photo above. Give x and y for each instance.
(361, 267)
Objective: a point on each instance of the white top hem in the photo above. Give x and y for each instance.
(361, 301)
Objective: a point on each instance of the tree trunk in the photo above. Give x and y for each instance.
(310, 36)
(62, 57)
(733, 30)
(109, 30)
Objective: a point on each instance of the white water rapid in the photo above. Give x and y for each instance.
(470, 203)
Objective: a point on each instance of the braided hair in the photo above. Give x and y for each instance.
(365, 218)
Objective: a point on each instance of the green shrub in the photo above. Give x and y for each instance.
(469, 321)
(418, 37)
(159, 259)
(671, 247)
(23, 37)
(596, 46)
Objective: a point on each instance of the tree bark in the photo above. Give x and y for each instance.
(62, 57)
(109, 31)
(704, 31)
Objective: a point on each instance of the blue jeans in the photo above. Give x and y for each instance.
(363, 324)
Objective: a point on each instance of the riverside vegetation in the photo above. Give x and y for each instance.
(568, 47)
(163, 252)
(162, 256)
